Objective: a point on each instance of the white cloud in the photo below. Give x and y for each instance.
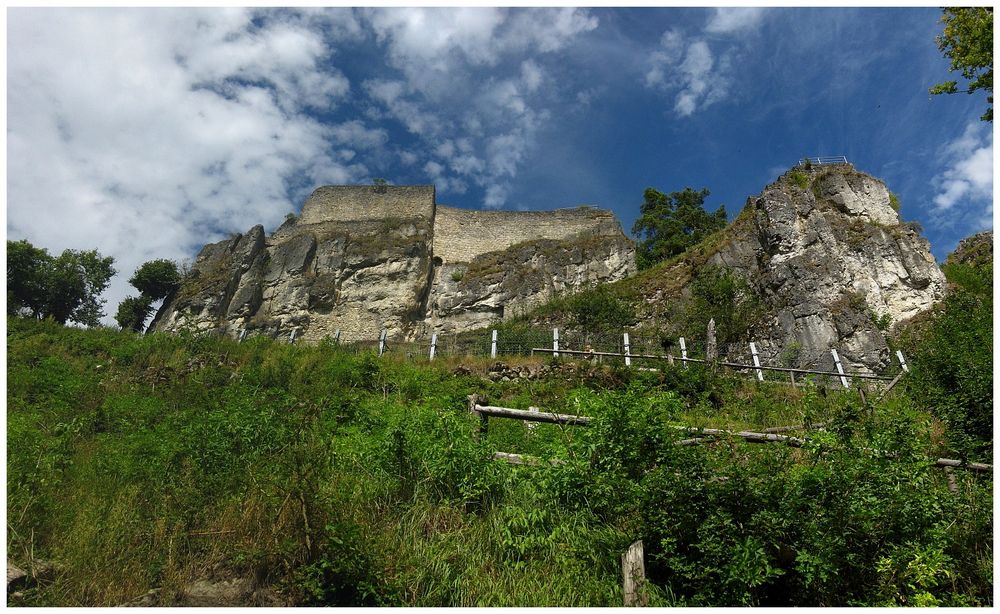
(697, 70)
(496, 59)
(729, 20)
(687, 69)
(967, 180)
(146, 133)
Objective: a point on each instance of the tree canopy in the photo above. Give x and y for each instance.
(967, 41)
(65, 288)
(670, 223)
(156, 278)
(133, 311)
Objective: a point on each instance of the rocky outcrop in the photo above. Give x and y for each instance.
(363, 259)
(973, 251)
(831, 259)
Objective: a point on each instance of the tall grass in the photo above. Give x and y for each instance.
(339, 478)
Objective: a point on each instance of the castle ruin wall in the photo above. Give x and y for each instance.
(462, 234)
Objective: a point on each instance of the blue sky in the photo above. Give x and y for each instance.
(148, 132)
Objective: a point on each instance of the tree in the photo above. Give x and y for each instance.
(133, 311)
(26, 272)
(156, 279)
(967, 41)
(64, 288)
(668, 224)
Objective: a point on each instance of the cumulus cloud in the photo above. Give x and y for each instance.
(734, 19)
(964, 189)
(696, 70)
(145, 133)
(497, 59)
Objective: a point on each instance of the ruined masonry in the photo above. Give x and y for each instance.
(363, 258)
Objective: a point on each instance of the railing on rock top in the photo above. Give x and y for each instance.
(820, 160)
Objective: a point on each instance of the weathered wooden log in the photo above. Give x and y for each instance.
(749, 436)
(522, 414)
(950, 462)
(794, 427)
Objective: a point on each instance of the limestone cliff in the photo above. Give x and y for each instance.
(363, 258)
(831, 259)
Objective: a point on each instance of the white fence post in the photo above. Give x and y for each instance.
(493, 345)
(434, 342)
(555, 343)
(243, 335)
(291, 337)
(336, 337)
(840, 369)
(756, 361)
(684, 352)
(381, 341)
(902, 361)
(628, 358)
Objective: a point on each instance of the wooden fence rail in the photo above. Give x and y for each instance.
(702, 435)
(530, 416)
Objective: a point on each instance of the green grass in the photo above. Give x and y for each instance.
(340, 478)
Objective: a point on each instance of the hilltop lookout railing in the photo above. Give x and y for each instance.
(820, 160)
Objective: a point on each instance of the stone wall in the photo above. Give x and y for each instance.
(345, 203)
(462, 234)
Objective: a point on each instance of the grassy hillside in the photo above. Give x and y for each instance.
(340, 478)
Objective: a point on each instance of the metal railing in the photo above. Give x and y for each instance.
(820, 160)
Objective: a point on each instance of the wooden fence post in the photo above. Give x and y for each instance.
(493, 345)
(711, 349)
(555, 343)
(684, 352)
(756, 361)
(628, 358)
(634, 576)
(381, 341)
(840, 368)
(434, 341)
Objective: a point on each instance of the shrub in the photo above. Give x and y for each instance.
(894, 202)
(600, 309)
(800, 179)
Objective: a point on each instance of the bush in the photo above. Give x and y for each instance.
(952, 361)
(800, 179)
(725, 297)
(600, 309)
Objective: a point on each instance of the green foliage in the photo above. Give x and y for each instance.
(800, 179)
(894, 202)
(65, 288)
(600, 309)
(346, 479)
(719, 294)
(133, 311)
(952, 360)
(457, 276)
(967, 42)
(670, 223)
(156, 279)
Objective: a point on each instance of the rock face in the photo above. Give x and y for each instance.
(363, 258)
(830, 256)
